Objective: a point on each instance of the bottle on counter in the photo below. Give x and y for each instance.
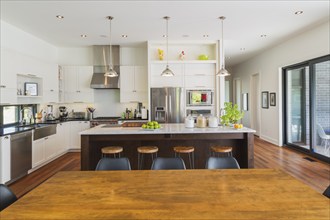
(201, 121)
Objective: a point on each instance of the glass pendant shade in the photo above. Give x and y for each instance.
(111, 72)
(167, 72)
(222, 71)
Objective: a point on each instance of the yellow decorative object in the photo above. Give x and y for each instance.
(161, 54)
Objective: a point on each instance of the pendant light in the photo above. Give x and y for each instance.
(167, 72)
(111, 72)
(222, 71)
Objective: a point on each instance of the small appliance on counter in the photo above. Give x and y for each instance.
(78, 115)
(144, 113)
(50, 116)
(90, 111)
(63, 113)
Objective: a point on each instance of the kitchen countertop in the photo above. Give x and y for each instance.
(165, 129)
(18, 129)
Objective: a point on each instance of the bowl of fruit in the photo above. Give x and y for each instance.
(238, 126)
(151, 125)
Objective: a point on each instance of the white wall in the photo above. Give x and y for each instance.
(310, 44)
(75, 56)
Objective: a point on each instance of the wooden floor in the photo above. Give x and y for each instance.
(315, 174)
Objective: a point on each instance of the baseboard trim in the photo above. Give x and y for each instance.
(270, 140)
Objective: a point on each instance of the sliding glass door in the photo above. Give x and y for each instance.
(321, 110)
(307, 106)
(297, 105)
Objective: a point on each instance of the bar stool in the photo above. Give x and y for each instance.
(186, 150)
(152, 150)
(220, 151)
(111, 150)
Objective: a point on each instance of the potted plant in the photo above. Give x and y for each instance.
(232, 114)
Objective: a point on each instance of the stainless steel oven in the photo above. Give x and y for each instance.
(200, 97)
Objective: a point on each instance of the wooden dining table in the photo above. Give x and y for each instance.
(171, 194)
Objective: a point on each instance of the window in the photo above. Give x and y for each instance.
(14, 114)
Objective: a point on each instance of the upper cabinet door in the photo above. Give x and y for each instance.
(133, 84)
(159, 81)
(85, 74)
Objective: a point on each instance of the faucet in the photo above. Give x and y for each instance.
(30, 115)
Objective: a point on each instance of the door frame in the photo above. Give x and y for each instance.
(254, 102)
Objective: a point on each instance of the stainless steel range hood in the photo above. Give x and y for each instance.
(101, 64)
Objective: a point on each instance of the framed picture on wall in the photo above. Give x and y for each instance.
(31, 89)
(245, 101)
(264, 100)
(272, 99)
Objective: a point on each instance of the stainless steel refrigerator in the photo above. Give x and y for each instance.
(167, 105)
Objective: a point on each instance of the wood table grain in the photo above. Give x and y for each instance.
(171, 194)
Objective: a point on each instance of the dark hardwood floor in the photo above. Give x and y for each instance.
(315, 174)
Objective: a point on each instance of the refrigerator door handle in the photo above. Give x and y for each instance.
(166, 108)
(170, 107)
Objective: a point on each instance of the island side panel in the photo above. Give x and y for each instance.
(91, 147)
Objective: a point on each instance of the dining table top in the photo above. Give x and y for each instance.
(171, 194)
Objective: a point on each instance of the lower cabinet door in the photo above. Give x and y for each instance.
(38, 152)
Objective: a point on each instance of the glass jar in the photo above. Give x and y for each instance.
(201, 121)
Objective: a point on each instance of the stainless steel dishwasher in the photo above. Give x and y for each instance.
(21, 154)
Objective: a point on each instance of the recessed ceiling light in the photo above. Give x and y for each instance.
(164, 35)
(242, 48)
(185, 35)
(124, 35)
(205, 35)
(263, 35)
(59, 16)
(298, 12)
(83, 35)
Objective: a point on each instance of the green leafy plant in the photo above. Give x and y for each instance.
(232, 114)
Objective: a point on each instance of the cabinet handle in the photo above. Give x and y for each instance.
(52, 90)
(2, 86)
(6, 137)
(134, 91)
(46, 138)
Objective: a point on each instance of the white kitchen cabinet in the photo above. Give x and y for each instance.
(43, 150)
(38, 152)
(50, 85)
(156, 80)
(50, 147)
(77, 81)
(133, 56)
(8, 84)
(63, 137)
(75, 128)
(200, 75)
(5, 159)
(133, 84)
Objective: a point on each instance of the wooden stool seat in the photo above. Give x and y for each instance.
(185, 150)
(112, 150)
(182, 149)
(147, 149)
(222, 151)
(151, 150)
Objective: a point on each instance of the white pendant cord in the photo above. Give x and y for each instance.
(167, 41)
(110, 51)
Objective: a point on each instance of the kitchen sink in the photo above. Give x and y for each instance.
(43, 130)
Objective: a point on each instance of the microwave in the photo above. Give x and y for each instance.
(200, 97)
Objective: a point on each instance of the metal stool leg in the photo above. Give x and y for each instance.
(138, 161)
(193, 160)
(190, 163)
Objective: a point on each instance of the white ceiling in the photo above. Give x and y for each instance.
(142, 21)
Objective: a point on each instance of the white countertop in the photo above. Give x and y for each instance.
(165, 129)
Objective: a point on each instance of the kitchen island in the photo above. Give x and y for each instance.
(165, 138)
